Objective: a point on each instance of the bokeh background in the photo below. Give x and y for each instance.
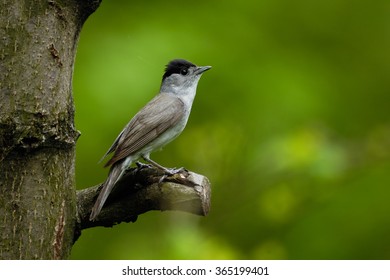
(291, 125)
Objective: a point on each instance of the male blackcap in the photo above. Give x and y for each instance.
(154, 126)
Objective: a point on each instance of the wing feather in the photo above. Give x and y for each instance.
(146, 127)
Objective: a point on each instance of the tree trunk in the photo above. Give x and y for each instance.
(37, 136)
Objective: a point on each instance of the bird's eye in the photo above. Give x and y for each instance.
(184, 72)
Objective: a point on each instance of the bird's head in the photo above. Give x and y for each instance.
(181, 76)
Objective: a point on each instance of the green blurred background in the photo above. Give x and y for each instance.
(292, 125)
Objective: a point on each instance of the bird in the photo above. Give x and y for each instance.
(159, 122)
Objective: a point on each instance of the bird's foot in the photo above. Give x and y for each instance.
(141, 165)
(173, 171)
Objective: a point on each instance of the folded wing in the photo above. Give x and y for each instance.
(146, 127)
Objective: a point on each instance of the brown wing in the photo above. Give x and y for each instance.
(146, 127)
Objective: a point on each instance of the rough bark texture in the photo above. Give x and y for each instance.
(37, 135)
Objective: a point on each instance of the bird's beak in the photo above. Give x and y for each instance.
(200, 69)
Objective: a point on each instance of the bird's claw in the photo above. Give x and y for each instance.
(173, 171)
(141, 165)
(163, 177)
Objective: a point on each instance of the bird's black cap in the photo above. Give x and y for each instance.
(177, 66)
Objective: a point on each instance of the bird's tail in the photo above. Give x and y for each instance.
(115, 174)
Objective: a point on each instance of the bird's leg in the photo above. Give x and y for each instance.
(168, 171)
(155, 164)
(141, 165)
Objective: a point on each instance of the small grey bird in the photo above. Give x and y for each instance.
(154, 126)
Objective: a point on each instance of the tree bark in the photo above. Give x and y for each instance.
(37, 136)
(40, 214)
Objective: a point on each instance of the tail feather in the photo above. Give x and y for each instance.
(115, 174)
